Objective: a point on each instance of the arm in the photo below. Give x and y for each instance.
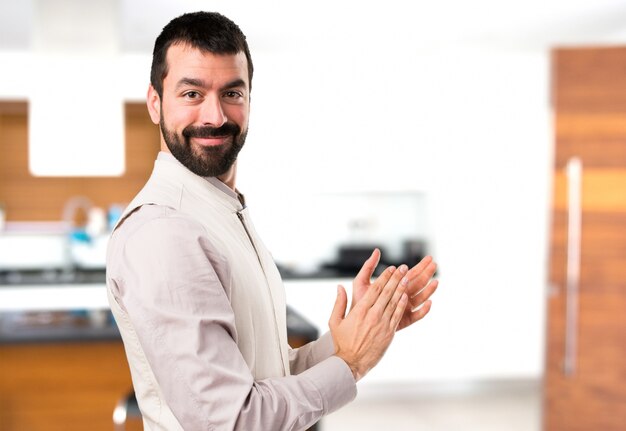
(185, 325)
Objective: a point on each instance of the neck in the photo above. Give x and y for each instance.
(228, 178)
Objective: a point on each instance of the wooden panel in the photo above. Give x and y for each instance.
(598, 138)
(594, 125)
(603, 235)
(599, 276)
(590, 123)
(593, 397)
(29, 198)
(602, 190)
(603, 249)
(589, 80)
(597, 153)
(61, 386)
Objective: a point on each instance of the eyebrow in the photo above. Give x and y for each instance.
(234, 84)
(190, 82)
(193, 82)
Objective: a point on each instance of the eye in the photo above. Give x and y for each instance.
(191, 95)
(233, 94)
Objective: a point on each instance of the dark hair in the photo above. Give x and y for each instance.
(206, 31)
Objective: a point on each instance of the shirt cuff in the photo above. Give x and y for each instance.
(335, 382)
(324, 347)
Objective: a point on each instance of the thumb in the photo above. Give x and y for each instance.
(367, 270)
(339, 310)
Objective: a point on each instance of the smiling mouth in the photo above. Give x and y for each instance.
(213, 141)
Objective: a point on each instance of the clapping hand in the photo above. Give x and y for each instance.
(362, 337)
(420, 288)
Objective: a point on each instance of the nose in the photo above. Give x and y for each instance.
(211, 112)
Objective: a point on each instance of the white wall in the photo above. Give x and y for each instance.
(469, 125)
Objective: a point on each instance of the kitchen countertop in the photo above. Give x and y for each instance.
(72, 289)
(78, 312)
(46, 277)
(71, 305)
(57, 326)
(57, 276)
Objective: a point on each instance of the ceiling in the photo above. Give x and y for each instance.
(284, 23)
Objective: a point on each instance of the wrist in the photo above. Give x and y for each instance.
(353, 368)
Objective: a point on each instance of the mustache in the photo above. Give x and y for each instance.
(226, 129)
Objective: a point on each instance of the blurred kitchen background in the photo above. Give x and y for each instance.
(465, 130)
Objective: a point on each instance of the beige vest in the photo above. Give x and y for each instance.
(255, 290)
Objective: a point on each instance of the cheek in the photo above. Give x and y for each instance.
(238, 115)
(177, 119)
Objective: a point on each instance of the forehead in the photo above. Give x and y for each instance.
(184, 61)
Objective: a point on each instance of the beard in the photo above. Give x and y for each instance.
(211, 161)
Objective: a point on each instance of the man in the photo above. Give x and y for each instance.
(196, 295)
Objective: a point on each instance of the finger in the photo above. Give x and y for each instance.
(368, 268)
(397, 296)
(421, 265)
(424, 294)
(373, 293)
(390, 288)
(339, 310)
(398, 312)
(425, 274)
(419, 280)
(420, 313)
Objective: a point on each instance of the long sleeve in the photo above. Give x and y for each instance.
(305, 357)
(164, 277)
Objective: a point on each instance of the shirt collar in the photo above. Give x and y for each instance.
(214, 181)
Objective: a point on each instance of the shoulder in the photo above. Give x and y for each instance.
(160, 240)
(154, 227)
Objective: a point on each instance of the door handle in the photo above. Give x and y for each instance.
(574, 172)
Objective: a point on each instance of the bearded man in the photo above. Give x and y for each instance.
(196, 295)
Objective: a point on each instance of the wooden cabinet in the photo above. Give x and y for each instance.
(61, 386)
(47, 384)
(585, 382)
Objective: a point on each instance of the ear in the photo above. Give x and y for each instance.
(154, 105)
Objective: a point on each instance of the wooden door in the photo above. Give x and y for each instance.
(585, 382)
